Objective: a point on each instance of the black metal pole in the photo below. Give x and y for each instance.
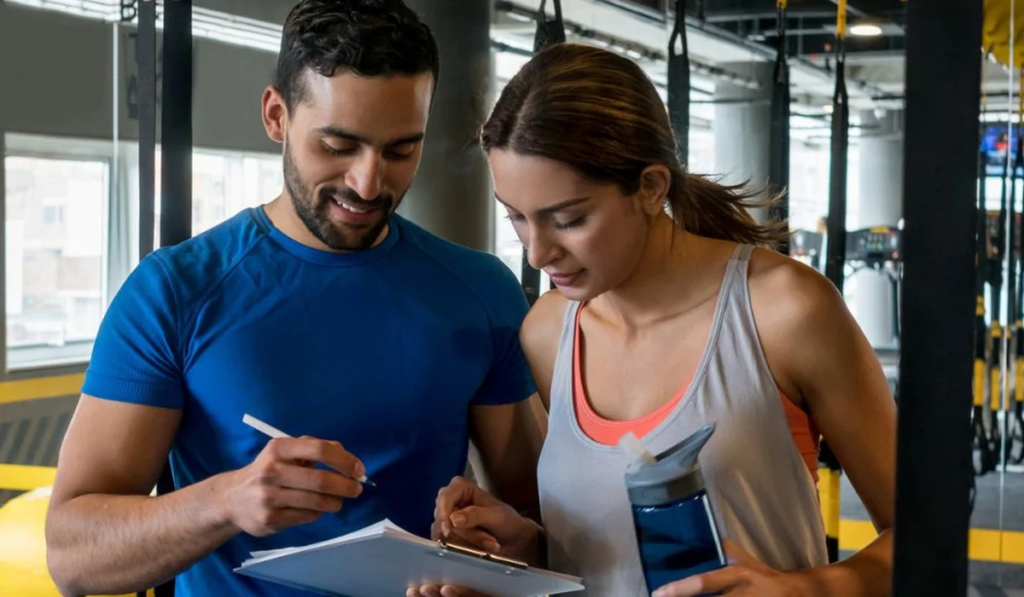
(176, 124)
(932, 496)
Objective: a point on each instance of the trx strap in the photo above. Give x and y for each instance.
(997, 234)
(1011, 290)
(836, 249)
(176, 154)
(679, 83)
(1015, 422)
(549, 32)
(778, 169)
(980, 326)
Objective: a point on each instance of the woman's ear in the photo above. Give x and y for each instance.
(655, 183)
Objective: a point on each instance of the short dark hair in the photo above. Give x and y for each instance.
(371, 38)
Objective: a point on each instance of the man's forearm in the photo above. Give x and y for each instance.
(120, 544)
(868, 573)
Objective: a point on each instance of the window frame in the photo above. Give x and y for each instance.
(65, 149)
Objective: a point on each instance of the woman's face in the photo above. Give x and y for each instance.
(588, 237)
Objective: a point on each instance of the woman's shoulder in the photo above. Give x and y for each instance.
(543, 324)
(788, 296)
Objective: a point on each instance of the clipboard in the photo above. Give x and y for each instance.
(382, 560)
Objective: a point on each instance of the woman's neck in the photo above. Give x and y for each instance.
(676, 271)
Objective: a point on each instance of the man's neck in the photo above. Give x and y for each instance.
(281, 212)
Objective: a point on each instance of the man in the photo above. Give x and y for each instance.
(323, 313)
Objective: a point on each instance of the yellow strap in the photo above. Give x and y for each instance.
(979, 382)
(1019, 388)
(841, 19)
(782, 4)
(995, 389)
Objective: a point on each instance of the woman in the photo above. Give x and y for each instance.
(664, 320)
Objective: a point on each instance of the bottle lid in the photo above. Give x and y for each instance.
(673, 475)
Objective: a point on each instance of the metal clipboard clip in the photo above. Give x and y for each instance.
(483, 555)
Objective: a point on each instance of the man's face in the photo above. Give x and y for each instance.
(351, 150)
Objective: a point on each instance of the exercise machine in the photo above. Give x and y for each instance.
(806, 246)
(879, 248)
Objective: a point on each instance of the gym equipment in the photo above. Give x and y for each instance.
(983, 249)
(879, 248)
(176, 153)
(679, 83)
(778, 168)
(806, 246)
(836, 245)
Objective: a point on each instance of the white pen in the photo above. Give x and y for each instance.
(274, 432)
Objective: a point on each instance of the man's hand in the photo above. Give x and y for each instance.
(281, 488)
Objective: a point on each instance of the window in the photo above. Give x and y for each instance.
(54, 251)
(223, 184)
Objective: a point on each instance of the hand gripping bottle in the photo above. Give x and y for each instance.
(675, 526)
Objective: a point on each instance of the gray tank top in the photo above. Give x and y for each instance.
(762, 492)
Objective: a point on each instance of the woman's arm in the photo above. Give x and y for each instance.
(821, 359)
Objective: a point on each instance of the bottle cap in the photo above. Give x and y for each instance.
(673, 475)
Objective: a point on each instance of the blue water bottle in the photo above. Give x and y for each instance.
(675, 526)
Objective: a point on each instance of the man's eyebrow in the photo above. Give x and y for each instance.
(340, 133)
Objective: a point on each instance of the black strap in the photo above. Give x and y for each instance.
(836, 251)
(835, 258)
(679, 83)
(176, 124)
(549, 32)
(981, 439)
(778, 168)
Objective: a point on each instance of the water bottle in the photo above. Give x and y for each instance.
(674, 522)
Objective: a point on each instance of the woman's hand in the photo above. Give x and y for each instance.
(466, 514)
(744, 577)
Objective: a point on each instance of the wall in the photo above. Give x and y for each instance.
(58, 80)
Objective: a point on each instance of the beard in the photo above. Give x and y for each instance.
(315, 211)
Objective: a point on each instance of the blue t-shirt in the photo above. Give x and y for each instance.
(383, 350)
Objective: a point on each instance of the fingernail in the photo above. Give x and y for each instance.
(360, 469)
(446, 529)
(658, 593)
(491, 545)
(458, 520)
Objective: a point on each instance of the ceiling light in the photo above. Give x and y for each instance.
(865, 30)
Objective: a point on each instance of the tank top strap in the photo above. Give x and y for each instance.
(561, 377)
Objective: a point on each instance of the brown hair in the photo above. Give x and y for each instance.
(598, 113)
